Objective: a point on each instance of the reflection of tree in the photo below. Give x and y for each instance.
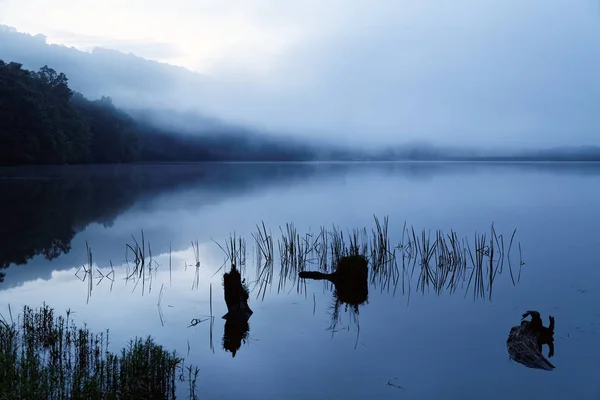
(41, 216)
(42, 209)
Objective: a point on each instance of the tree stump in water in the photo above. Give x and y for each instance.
(238, 311)
(236, 295)
(524, 343)
(350, 279)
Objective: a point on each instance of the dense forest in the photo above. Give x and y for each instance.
(42, 121)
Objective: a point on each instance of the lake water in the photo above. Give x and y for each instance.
(408, 341)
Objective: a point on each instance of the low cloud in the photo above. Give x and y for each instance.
(145, 47)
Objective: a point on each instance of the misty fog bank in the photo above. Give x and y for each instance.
(43, 121)
(508, 75)
(149, 95)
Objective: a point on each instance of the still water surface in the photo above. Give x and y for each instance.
(414, 343)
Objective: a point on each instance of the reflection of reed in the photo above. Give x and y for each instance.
(438, 262)
(88, 273)
(434, 261)
(428, 261)
(235, 253)
(143, 264)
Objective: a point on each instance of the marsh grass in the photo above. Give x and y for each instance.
(264, 259)
(235, 253)
(44, 356)
(196, 251)
(143, 263)
(88, 273)
(421, 261)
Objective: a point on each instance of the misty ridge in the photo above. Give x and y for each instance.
(62, 105)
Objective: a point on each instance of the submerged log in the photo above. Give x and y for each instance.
(236, 295)
(524, 343)
(350, 279)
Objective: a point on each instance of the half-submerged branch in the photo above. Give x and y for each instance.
(524, 343)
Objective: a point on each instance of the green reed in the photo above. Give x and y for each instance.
(44, 356)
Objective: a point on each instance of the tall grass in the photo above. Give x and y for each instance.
(235, 252)
(88, 273)
(143, 264)
(422, 260)
(44, 356)
(264, 258)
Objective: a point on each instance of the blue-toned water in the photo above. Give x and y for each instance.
(411, 342)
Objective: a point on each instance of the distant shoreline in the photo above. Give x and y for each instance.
(442, 161)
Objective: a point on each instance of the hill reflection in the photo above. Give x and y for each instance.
(43, 208)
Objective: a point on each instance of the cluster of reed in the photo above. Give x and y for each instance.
(439, 261)
(47, 357)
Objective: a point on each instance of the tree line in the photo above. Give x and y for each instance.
(42, 121)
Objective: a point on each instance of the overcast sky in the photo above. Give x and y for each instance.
(493, 72)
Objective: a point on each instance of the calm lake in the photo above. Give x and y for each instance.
(414, 338)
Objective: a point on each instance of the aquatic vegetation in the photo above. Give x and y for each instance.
(235, 252)
(525, 341)
(420, 261)
(438, 262)
(88, 273)
(143, 263)
(44, 356)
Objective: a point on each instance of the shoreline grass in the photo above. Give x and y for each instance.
(44, 356)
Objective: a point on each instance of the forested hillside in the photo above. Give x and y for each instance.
(42, 121)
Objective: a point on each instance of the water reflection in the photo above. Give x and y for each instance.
(43, 208)
(525, 342)
(235, 333)
(549, 211)
(353, 263)
(421, 260)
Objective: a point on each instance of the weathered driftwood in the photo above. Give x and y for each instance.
(236, 295)
(524, 343)
(350, 279)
